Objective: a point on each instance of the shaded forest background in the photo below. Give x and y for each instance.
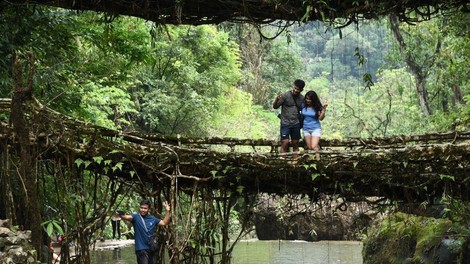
(380, 77)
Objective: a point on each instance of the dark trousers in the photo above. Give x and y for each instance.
(145, 257)
(116, 227)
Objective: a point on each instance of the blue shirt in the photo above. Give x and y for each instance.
(140, 234)
(311, 121)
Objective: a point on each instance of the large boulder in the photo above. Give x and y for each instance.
(310, 222)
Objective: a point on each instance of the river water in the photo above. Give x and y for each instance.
(260, 252)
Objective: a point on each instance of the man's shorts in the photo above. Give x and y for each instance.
(290, 131)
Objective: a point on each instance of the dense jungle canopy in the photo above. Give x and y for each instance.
(402, 69)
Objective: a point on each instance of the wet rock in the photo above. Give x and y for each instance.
(449, 250)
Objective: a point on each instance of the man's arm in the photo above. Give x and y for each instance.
(166, 219)
(124, 217)
(277, 102)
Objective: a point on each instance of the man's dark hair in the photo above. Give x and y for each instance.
(146, 202)
(299, 84)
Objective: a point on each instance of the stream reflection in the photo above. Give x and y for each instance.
(256, 252)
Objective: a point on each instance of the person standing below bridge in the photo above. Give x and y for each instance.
(291, 102)
(144, 227)
(116, 225)
(313, 112)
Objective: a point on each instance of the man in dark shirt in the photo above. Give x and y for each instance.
(291, 102)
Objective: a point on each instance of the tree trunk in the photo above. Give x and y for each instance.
(7, 205)
(457, 94)
(418, 72)
(174, 251)
(22, 94)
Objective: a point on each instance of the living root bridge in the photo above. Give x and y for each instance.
(260, 11)
(405, 168)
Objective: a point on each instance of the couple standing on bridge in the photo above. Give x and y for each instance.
(300, 112)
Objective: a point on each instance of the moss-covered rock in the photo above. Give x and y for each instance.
(402, 238)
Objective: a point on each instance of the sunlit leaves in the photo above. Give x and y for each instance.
(79, 162)
(448, 177)
(118, 166)
(51, 226)
(98, 159)
(315, 175)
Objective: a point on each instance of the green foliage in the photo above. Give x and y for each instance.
(80, 59)
(49, 34)
(321, 85)
(440, 49)
(51, 226)
(464, 119)
(179, 93)
(282, 66)
(107, 106)
(269, 66)
(403, 238)
(241, 119)
(456, 210)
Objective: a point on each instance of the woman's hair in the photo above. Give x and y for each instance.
(316, 104)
